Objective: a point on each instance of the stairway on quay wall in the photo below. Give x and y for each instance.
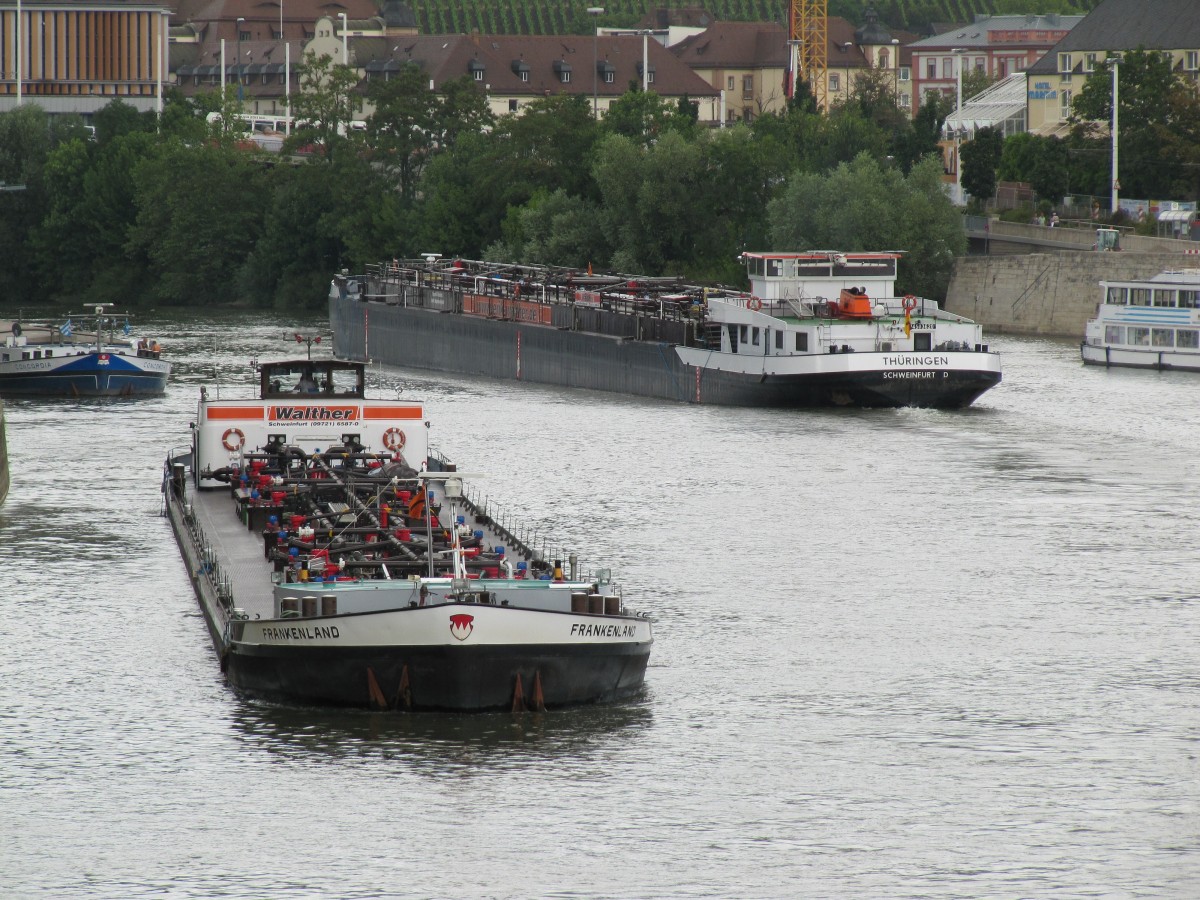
(1051, 294)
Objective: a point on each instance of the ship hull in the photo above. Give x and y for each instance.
(1125, 357)
(86, 375)
(466, 679)
(471, 345)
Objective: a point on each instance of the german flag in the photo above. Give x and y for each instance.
(416, 506)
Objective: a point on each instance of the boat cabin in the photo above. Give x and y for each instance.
(324, 378)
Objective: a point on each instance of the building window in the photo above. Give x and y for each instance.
(1065, 95)
(931, 68)
(905, 101)
(512, 105)
(981, 65)
(1089, 62)
(1191, 60)
(1064, 62)
(243, 35)
(729, 83)
(884, 58)
(524, 74)
(650, 77)
(835, 82)
(478, 73)
(748, 85)
(747, 114)
(905, 73)
(565, 76)
(609, 76)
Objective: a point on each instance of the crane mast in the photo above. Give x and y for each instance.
(808, 31)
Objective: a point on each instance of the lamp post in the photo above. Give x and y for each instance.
(595, 11)
(959, 130)
(1116, 184)
(19, 52)
(645, 60)
(239, 64)
(345, 46)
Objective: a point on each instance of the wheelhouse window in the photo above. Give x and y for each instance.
(774, 268)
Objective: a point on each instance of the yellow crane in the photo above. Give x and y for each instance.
(808, 34)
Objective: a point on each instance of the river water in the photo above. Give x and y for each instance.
(899, 654)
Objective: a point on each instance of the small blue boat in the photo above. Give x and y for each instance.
(83, 356)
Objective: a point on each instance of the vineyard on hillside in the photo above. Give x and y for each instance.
(571, 17)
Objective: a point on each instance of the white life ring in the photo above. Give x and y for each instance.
(754, 304)
(233, 439)
(394, 439)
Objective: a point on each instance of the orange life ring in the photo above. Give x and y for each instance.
(233, 439)
(754, 304)
(910, 303)
(394, 439)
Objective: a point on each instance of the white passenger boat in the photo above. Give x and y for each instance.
(1150, 323)
(330, 571)
(84, 355)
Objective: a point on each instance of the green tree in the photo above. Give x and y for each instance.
(400, 131)
(325, 106)
(199, 215)
(25, 148)
(979, 158)
(865, 206)
(1158, 118)
(552, 229)
(644, 116)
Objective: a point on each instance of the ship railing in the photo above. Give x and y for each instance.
(210, 566)
(390, 279)
(522, 539)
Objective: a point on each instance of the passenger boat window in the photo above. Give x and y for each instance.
(1118, 296)
(754, 336)
(774, 268)
(1189, 299)
(802, 341)
(1164, 298)
(1187, 337)
(1114, 334)
(1163, 337)
(1139, 296)
(1139, 337)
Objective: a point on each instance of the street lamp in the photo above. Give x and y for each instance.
(1115, 59)
(240, 94)
(19, 30)
(595, 11)
(345, 47)
(959, 130)
(645, 60)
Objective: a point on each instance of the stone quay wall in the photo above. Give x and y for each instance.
(1050, 294)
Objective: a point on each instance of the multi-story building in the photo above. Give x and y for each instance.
(514, 70)
(76, 58)
(998, 46)
(748, 61)
(1171, 27)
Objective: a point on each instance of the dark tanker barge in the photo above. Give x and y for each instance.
(816, 329)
